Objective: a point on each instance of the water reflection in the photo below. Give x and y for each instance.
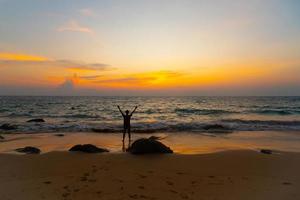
(124, 149)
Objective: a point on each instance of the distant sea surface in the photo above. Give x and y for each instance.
(154, 114)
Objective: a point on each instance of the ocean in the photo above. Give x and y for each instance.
(154, 114)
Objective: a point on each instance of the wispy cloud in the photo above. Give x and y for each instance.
(87, 12)
(74, 26)
(71, 64)
(15, 60)
(127, 80)
(140, 79)
(90, 78)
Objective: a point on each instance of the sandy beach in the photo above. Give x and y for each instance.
(222, 175)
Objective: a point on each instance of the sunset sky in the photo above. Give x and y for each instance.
(149, 47)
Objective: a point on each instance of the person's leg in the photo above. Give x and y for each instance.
(129, 133)
(123, 147)
(124, 132)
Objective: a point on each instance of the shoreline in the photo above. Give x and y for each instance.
(238, 174)
(181, 143)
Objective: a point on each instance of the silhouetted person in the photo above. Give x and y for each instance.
(126, 125)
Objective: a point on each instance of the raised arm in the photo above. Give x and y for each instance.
(120, 110)
(133, 110)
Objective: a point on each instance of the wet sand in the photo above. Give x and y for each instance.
(183, 143)
(225, 175)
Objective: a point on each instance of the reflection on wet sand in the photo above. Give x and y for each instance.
(124, 148)
(184, 143)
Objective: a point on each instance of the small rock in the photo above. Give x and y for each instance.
(29, 150)
(8, 127)
(266, 151)
(1, 137)
(59, 135)
(88, 148)
(36, 120)
(217, 128)
(148, 146)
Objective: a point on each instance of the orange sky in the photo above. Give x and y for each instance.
(147, 46)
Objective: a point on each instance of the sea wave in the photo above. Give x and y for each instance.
(202, 111)
(222, 126)
(263, 122)
(68, 116)
(275, 112)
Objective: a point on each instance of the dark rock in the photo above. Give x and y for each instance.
(266, 151)
(105, 130)
(1, 137)
(154, 137)
(8, 127)
(29, 150)
(59, 135)
(148, 146)
(217, 128)
(36, 120)
(88, 148)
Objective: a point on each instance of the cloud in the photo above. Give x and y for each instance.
(169, 74)
(77, 65)
(87, 12)
(140, 79)
(20, 57)
(90, 78)
(68, 85)
(74, 26)
(127, 80)
(22, 60)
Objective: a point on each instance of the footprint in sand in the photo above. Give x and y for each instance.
(119, 180)
(66, 187)
(86, 174)
(92, 180)
(136, 196)
(65, 195)
(133, 196)
(184, 196)
(142, 176)
(286, 183)
(193, 182)
(173, 191)
(141, 187)
(169, 183)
